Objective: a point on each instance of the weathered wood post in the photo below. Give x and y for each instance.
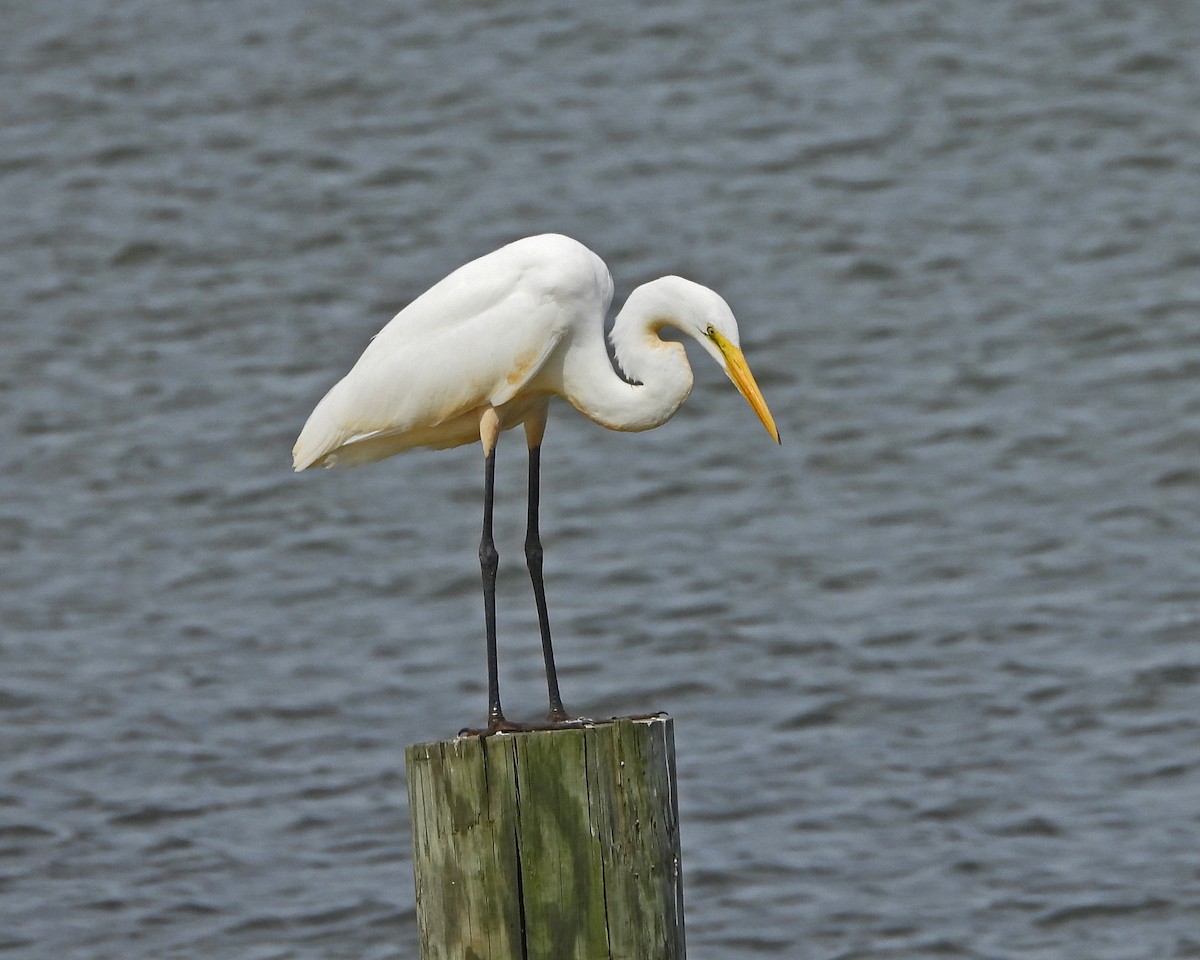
(549, 845)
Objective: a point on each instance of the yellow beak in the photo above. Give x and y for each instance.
(743, 379)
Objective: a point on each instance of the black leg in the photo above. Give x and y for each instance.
(533, 555)
(489, 561)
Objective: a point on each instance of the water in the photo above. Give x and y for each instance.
(933, 662)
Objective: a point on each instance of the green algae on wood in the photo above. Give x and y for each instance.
(549, 844)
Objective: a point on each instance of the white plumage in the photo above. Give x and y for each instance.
(509, 331)
(488, 347)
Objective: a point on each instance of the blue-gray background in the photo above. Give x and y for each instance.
(933, 662)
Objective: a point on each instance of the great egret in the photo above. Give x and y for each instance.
(487, 347)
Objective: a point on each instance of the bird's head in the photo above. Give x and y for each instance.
(704, 315)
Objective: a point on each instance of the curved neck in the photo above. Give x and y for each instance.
(659, 371)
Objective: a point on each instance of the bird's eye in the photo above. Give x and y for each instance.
(710, 332)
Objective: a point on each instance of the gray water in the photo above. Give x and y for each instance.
(933, 662)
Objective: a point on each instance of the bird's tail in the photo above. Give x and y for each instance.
(319, 436)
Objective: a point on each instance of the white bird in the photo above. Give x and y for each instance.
(488, 347)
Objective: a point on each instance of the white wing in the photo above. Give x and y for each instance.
(476, 338)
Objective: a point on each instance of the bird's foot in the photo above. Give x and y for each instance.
(502, 725)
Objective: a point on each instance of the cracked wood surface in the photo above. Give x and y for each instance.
(549, 844)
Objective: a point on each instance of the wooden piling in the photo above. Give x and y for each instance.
(549, 845)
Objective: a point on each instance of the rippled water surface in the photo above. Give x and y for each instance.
(933, 662)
